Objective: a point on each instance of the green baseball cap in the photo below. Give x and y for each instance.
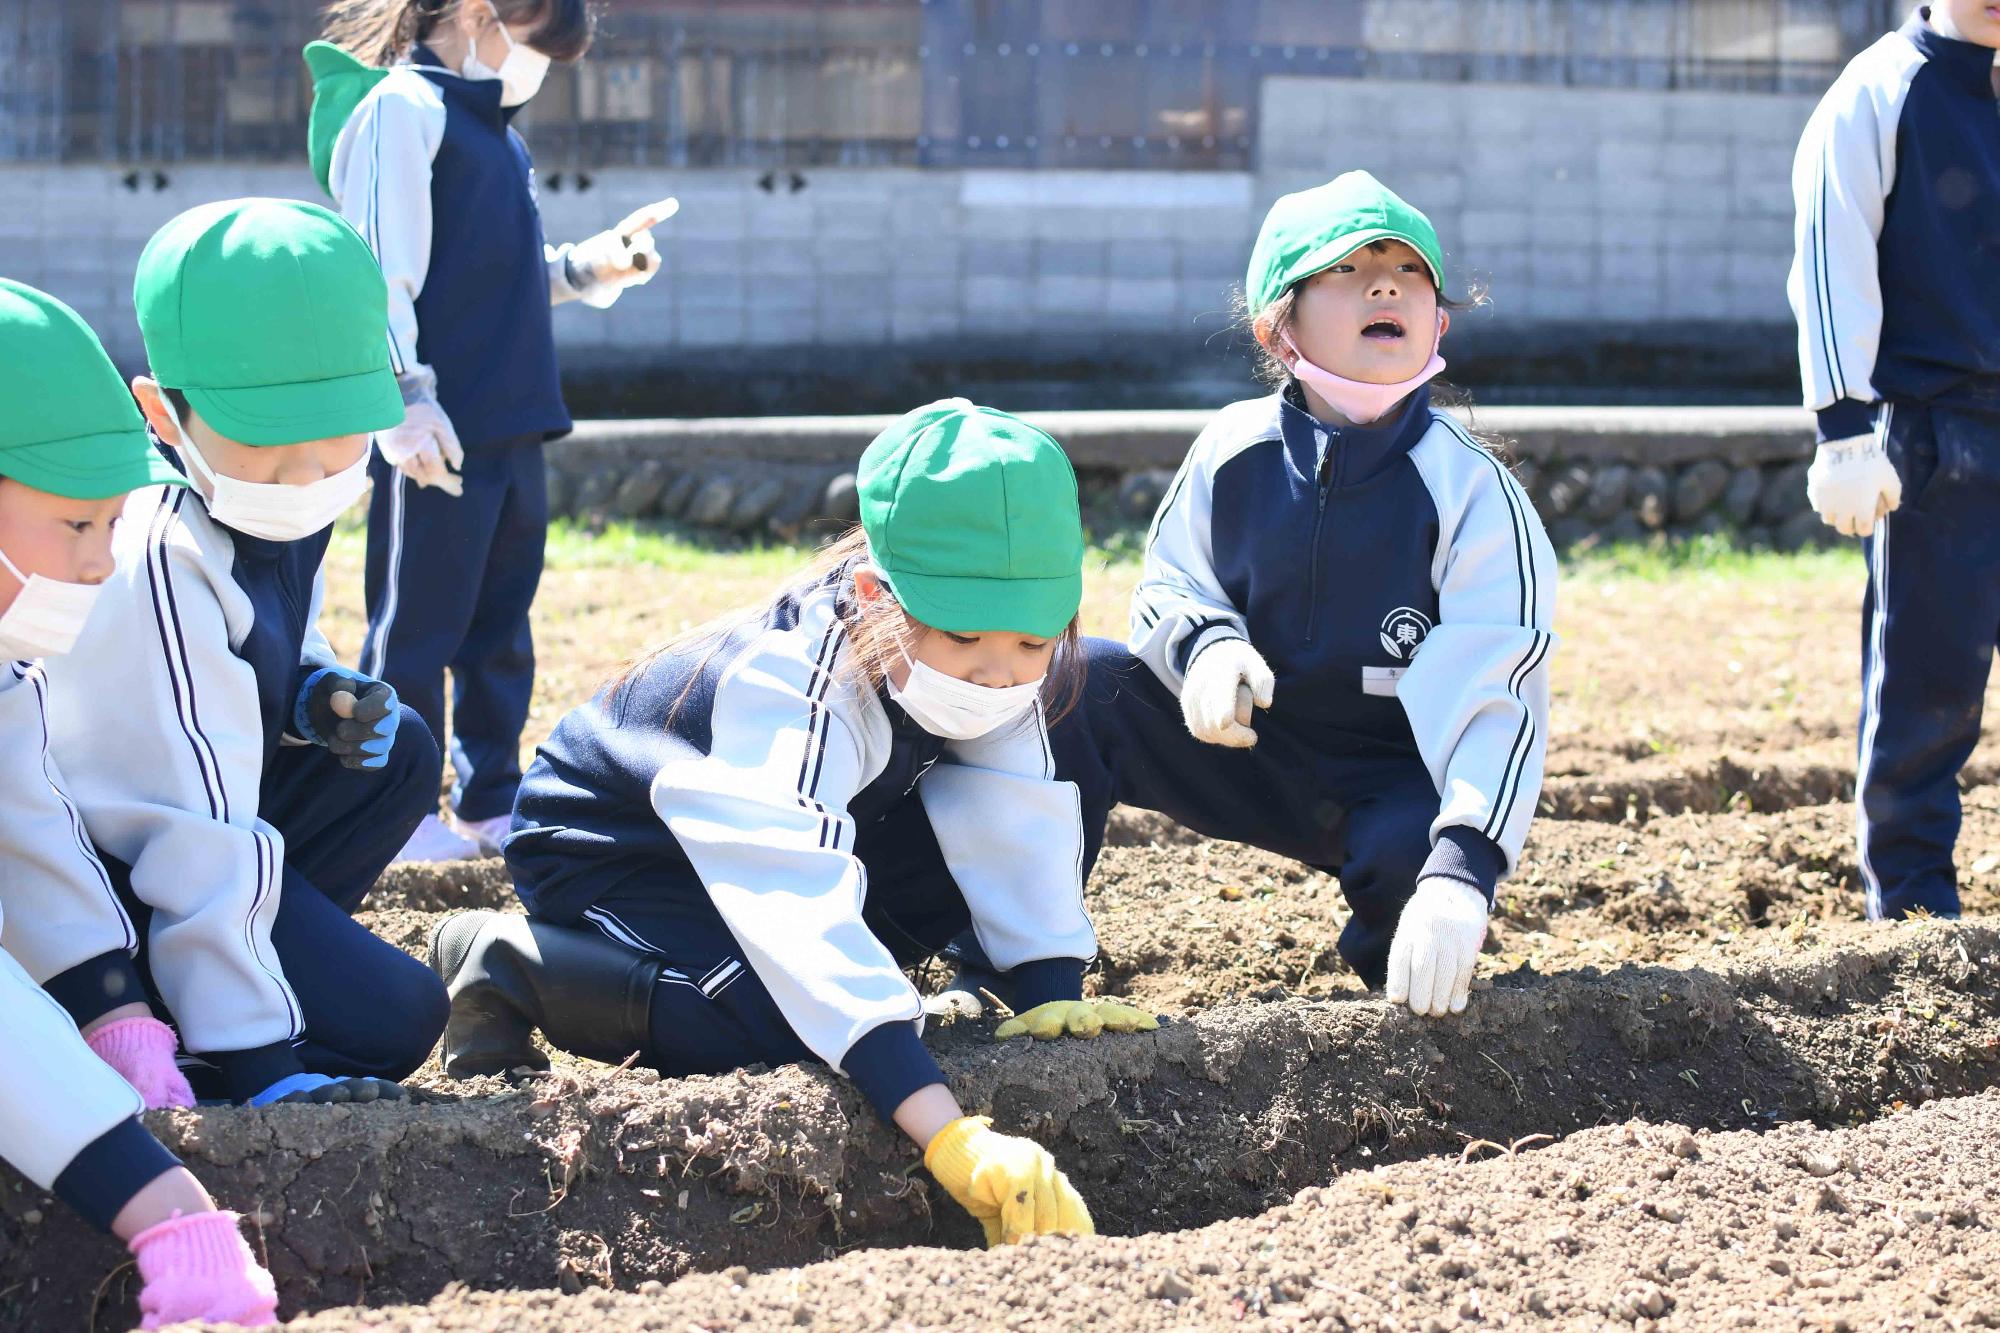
(71, 427)
(972, 517)
(1312, 229)
(273, 318)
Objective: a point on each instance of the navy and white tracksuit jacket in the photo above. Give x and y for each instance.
(67, 1121)
(788, 839)
(429, 169)
(1896, 285)
(1400, 586)
(239, 849)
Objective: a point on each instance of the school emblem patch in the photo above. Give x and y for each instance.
(1404, 631)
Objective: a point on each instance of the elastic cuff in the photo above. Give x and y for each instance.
(247, 1073)
(96, 986)
(1204, 636)
(1046, 979)
(100, 1180)
(302, 726)
(1845, 419)
(1468, 856)
(888, 1064)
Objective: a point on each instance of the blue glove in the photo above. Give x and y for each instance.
(361, 736)
(326, 1090)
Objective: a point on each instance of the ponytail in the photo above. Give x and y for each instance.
(380, 32)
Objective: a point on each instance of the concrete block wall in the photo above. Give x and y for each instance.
(1575, 206)
(1568, 204)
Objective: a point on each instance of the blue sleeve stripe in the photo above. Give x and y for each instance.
(1829, 336)
(173, 644)
(1524, 738)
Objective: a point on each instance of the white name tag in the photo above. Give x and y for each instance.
(1381, 680)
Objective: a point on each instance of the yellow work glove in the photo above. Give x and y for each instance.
(1011, 1185)
(1076, 1018)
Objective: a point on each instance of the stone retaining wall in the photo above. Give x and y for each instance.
(1596, 474)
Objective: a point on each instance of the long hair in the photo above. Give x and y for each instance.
(381, 32)
(879, 635)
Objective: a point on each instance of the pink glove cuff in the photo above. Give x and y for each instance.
(142, 1051)
(199, 1267)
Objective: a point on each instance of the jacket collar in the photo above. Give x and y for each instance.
(1356, 453)
(478, 95)
(1967, 64)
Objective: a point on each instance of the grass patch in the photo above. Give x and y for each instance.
(1713, 557)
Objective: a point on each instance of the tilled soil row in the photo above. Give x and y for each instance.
(1677, 784)
(1640, 1226)
(1188, 922)
(616, 1179)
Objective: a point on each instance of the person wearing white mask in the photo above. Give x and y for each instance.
(412, 136)
(730, 855)
(243, 788)
(72, 447)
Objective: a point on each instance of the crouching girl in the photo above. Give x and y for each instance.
(730, 855)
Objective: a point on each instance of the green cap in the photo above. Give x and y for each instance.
(972, 517)
(1308, 231)
(272, 317)
(340, 82)
(70, 427)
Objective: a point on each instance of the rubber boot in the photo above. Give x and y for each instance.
(973, 980)
(508, 975)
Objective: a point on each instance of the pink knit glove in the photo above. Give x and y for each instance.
(142, 1050)
(198, 1267)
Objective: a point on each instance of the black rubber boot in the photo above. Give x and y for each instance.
(508, 975)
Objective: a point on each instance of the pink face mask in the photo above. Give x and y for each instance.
(1357, 400)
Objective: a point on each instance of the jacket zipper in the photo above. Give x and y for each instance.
(1319, 519)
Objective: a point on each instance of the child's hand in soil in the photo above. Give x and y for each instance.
(1076, 1018)
(1436, 945)
(1010, 1184)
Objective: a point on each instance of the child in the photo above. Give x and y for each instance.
(421, 158)
(1898, 187)
(729, 855)
(246, 789)
(1345, 557)
(71, 446)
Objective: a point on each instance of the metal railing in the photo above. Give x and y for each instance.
(1052, 83)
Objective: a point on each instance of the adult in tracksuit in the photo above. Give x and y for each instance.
(1896, 285)
(244, 788)
(72, 447)
(1346, 558)
(421, 157)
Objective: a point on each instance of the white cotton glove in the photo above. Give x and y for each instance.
(1437, 942)
(1223, 682)
(604, 265)
(424, 447)
(1852, 483)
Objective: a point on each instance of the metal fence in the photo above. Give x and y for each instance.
(1042, 83)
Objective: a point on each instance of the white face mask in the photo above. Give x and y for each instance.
(271, 510)
(521, 70)
(959, 710)
(45, 616)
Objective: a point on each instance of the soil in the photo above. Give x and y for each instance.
(1694, 1090)
(1641, 1226)
(595, 1177)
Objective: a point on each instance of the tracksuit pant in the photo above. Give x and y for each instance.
(1929, 623)
(366, 1007)
(1361, 812)
(710, 1012)
(449, 583)
(67, 1121)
